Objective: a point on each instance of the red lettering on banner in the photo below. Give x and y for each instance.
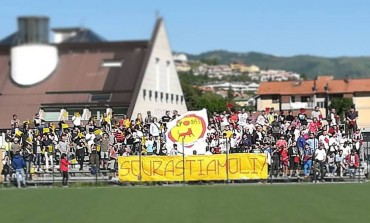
(190, 164)
(156, 168)
(214, 167)
(241, 166)
(237, 165)
(179, 167)
(264, 163)
(219, 165)
(133, 169)
(122, 167)
(254, 165)
(172, 170)
(143, 169)
(200, 167)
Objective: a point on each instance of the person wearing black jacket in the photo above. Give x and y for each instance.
(294, 158)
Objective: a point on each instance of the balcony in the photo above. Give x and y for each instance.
(297, 105)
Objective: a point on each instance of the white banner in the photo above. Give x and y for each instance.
(190, 129)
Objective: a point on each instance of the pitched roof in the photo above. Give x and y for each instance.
(78, 74)
(84, 35)
(346, 86)
(285, 88)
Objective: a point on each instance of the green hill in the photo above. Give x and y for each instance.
(302, 64)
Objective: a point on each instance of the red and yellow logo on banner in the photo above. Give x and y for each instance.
(211, 167)
(190, 129)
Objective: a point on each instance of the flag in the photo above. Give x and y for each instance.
(18, 133)
(229, 105)
(45, 130)
(65, 126)
(98, 132)
(189, 128)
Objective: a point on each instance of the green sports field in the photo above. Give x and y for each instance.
(213, 203)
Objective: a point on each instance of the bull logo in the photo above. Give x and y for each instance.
(188, 130)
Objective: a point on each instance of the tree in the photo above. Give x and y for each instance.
(196, 99)
(230, 94)
(210, 61)
(341, 105)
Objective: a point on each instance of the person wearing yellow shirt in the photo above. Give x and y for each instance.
(7, 146)
(126, 122)
(228, 132)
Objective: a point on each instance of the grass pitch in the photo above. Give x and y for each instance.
(220, 203)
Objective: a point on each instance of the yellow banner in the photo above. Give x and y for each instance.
(200, 167)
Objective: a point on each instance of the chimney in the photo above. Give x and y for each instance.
(33, 29)
(346, 79)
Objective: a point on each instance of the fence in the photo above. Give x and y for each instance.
(239, 167)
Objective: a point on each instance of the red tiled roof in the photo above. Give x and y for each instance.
(285, 88)
(348, 86)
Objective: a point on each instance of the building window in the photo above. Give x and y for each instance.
(292, 99)
(320, 104)
(305, 98)
(275, 98)
(100, 97)
(177, 98)
(144, 93)
(172, 97)
(182, 98)
(150, 94)
(167, 96)
(112, 63)
(161, 96)
(156, 94)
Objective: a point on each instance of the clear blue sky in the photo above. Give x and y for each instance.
(279, 27)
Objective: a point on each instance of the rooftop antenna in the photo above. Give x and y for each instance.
(82, 24)
(157, 14)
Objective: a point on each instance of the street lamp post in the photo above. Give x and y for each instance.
(326, 88)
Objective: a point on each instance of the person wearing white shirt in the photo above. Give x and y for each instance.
(249, 127)
(90, 136)
(208, 152)
(243, 117)
(233, 143)
(262, 119)
(222, 143)
(340, 161)
(76, 120)
(333, 118)
(224, 120)
(334, 143)
(320, 157)
(324, 139)
(155, 128)
(173, 151)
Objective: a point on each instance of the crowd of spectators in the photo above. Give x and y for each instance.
(295, 143)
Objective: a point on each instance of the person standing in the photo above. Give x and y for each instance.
(307, 160)
(48, 147)
(352, 117)
(18, 164)
(64, 169)
(155, 128)
(174, 151)
(320, 158)
(294, 159)
(104, 148)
